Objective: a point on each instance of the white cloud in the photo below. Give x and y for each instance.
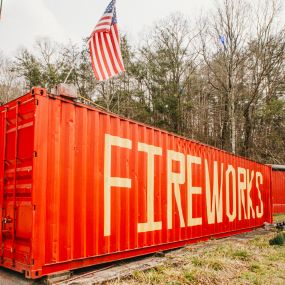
(23, 21)
(61, 20)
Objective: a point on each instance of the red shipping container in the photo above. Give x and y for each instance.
(80, 186)
(278, 189)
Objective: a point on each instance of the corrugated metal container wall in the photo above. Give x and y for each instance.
(82, 186)
(278, 191)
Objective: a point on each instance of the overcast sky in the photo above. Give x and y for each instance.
(62, 20)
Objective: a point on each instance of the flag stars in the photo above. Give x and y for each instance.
(104, 45)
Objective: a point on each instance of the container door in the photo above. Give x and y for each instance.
(16, 168)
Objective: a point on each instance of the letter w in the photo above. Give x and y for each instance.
(214, 203)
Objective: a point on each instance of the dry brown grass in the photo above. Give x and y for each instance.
(241, 260)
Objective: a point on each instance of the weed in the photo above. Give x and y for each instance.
(241, 254)
(190, 277)
(255, 268)
(259, 242)
(153, 276)
(223, 250)
(159, 269)
(197, 261)
(252, 278)
(233, 262)
(216, 265)
(279, 218)
(137, 274)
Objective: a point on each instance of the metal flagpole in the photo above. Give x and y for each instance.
(72, 67)
(68, 74)
(1, 4)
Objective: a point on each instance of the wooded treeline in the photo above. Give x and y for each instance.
(219, 81)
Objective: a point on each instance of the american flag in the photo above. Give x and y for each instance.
(104, 45)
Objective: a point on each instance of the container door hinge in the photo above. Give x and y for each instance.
(35, 153)
(7, 220)
(37, 102)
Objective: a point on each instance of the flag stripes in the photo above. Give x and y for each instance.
(104, 46)
(104, 23)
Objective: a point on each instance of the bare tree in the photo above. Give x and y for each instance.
(9, 83)
(223, 37)
(264, 65)
(167, 57)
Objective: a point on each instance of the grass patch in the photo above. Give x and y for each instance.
(257, 268)
(259, 242)
(207, 261)
(216, 265)
(279, 218)
(190, 277)
(224, 250)
(250, 260)
(241, 254)
(252, 278)
(153, 277)
(198, 261)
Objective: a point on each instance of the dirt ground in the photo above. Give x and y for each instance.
(243, 259)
